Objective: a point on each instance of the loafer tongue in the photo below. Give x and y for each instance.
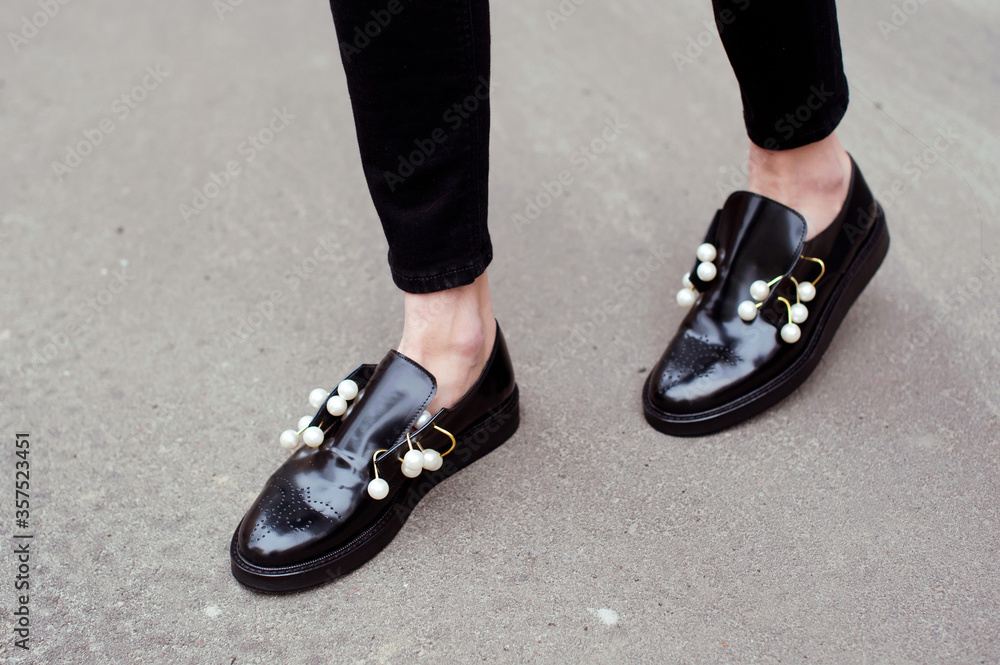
(394, 398)
(756, 238)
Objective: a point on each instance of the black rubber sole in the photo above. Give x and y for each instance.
(707, 422)
(472, 444)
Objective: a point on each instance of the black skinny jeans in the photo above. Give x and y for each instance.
(418, 73)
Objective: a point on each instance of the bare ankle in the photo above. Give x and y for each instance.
(450, 333)
(812, 179)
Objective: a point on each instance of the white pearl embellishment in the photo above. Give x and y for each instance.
(347, 389)
(336, 406)
(414, 458)
(317, 397)
(706, 252)
(378, 489)
(797, 313)
(759, 290)
(313, 437)
(747, 311)
(790, 333)
(413, 462)
(432, 460)
(354, 403)
(289, 439)
(705, 270)
(424, 418)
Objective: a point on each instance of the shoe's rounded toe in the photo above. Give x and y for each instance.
(280, 530)
(693, 376)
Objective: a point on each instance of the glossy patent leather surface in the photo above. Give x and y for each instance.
(318, 500)
(716, 359)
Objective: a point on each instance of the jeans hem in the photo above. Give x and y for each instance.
(818, 131)
(443, 281)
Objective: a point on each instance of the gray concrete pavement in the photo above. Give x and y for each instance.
(154, 359)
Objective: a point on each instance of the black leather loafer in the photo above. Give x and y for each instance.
(765, 305)
(348, 489)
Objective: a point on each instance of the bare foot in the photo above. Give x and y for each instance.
(812, 180)
(450, 334)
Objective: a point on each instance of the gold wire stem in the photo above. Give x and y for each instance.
(774, 281)
(450, 436)
(375, 459)
(797, 301)
(789, 306)
(822, 267)
(410, 443)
